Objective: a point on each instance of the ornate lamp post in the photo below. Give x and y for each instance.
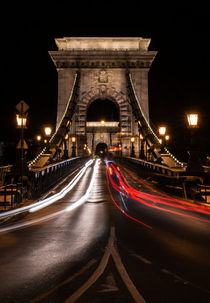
(162, 132)
(47, 131)
(73, 139)
(65, 152)
(193, 166)
(132, 147)
(21, 123)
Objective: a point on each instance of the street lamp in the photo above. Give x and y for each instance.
(65, 152)
(38, 138)
(192, 120)
(73, 139)
(132, 147)
(162, 132)
(193, 167)
(47, 131)
(21, 121)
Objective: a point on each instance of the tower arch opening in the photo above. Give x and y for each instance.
(101, 149)
(103, 110)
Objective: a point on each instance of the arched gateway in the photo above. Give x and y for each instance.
(105, 67)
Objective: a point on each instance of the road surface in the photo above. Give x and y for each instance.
(110, 238)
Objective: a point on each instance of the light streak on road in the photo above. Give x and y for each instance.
(85, 197)
(43, 203)
(75, 205)
(117, 205)
(122, 186)
(63, 192)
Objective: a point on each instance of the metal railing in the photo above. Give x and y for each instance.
(204, 192)
(42, 179)
(3, 171)
(10, 195)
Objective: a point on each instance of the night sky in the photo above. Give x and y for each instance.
(179, 79)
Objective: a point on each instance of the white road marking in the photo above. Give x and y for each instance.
(77, 274)
(110, 250)
(97, 273)
(125, 277)
(146, 261)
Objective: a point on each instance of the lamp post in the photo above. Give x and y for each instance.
(193, 167)
(162, 132)
(65, 152)
(73, 139)
(132, 147)
(21, 123)
(47, 131)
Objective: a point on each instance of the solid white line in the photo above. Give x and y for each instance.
(97, 273)
(125, 277)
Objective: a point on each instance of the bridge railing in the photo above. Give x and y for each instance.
(3, 171)
(148, 167)
(10, 195)
(171, 180)
(42, 179)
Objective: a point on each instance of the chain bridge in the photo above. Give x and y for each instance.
(103, 100)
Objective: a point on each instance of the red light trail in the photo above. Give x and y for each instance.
(146, 198)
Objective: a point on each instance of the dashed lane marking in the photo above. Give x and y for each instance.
(146, 261)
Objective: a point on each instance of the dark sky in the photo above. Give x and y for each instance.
(179, 78)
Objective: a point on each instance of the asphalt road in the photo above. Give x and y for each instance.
(114, 246)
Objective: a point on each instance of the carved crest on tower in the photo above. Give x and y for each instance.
(103, 76)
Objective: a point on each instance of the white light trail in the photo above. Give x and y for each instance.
(50, 200)
(63, 192)
(70, 208)
(85, 197)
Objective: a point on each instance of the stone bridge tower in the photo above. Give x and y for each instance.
(103, 64)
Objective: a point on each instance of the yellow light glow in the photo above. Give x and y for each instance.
(48, 131)
(21, 121)
(167, 137)
(132, 139)
(38, 138)
(102, 122)
(66, 137)
(73, 139)
(192, 120)
(162, 130)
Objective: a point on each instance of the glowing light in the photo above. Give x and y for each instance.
(21, 121)
(38, 138)
(146, 199)
(51, 216)
(192, 120)
(63, 192)
(85, 197)
(162, 130)
(132, 139)
(47, 131)
(73, 139)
